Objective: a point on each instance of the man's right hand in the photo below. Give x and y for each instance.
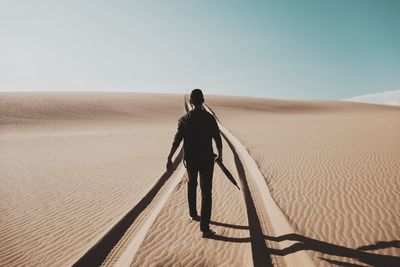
(169, 164)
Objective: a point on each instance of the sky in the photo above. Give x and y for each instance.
(309, 49)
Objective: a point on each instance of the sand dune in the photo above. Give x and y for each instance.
(83, 182)
(384, 98)
(332, 167)
(72, 165)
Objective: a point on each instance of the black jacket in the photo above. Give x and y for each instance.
(197, 128)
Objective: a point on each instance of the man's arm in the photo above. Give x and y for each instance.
(177, 140)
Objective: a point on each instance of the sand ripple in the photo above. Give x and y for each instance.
(332, 167)
(71, 166)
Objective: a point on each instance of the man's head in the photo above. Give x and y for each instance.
(196, 97)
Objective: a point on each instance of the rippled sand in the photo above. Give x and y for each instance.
(72, 164)
(332, 167)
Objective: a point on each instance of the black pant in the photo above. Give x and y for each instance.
(205, 168)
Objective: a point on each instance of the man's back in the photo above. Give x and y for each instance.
(197, 128)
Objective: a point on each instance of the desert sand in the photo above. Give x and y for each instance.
(332, 167)
(83, 182)
(71, 165)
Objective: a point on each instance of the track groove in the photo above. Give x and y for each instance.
(278, 221)
(180, 242)
(97, 255)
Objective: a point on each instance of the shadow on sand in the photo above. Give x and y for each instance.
(262, 254)
(98, 253)
(306, 243)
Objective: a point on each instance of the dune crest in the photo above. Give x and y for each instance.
(384, 98)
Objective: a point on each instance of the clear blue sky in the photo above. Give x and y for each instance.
(329, 49)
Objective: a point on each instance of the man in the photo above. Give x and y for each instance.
(197, 129)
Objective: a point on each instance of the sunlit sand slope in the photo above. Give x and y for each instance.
(71, 165)
(333, 168)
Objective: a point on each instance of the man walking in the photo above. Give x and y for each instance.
(197, 128)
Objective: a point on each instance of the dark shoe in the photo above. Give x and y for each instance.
(208, 233)
(195, 218)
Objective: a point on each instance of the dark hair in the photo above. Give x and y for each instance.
(197, 97)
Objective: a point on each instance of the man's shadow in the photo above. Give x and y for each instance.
(306, 243)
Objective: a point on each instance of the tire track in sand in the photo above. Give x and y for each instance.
(119, 245)
(277, 221)
(123, 254)
(174, 240)
(140, 218)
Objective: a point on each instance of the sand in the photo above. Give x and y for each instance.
(83, 182)
(71, 165)
(181, 238)
(332, 167)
